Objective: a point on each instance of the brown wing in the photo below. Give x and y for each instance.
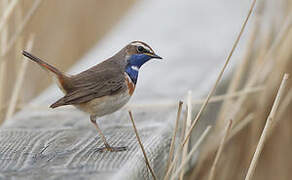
(93, 83)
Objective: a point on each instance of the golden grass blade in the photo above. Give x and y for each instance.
(216, 83)
(175, 162)
(188, 124)
(239, 126)
(282, 110)
(234, 131)
(170, 103)
(219, 152)
(242, 67)
(266, 59)
(8, 10)
(141, 146)
(156, 105)
(171, 150)
(19, 30)
(193, 150)
(3, 65)
(18, 83)
(221, 72)
(2, 85)
(285, 104)
(238, 74)
(266, 129)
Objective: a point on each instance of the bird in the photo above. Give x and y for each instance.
(104, 88)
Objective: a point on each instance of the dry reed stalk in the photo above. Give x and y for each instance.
(267, 58)
(283, 108)
(171, 149)
(243, 123)
(8, 11)
(217, 98)
(3, 38)
(141, 146)
(175, 163)
(217, 80)
(238, 73)
(18, 83)
(2, 85)
(234, 131)
(178, 150)
(155, 105)
(219, 152)
(221, 72)
(263, 50)
(278, 54)
(284, 105)
(188, 124)
(19, 30)
(242, 67)
(193, 150)
(286, 55)
(266, 129)
(214, 146)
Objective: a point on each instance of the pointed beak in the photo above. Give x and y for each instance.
(154, 56)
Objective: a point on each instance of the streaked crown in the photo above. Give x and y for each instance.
(139, 47)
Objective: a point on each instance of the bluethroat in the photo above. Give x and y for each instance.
(103, 88)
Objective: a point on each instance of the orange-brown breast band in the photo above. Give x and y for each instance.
(131, 86)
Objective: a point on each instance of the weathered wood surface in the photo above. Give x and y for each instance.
(67, 146)
(192, 36)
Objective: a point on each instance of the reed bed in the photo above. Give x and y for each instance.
(259, 142)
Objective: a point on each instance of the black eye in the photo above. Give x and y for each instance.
(140, 49)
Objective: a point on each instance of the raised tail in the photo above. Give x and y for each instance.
(61, 79)
(43, 64)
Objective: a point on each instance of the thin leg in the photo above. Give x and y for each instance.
(107, 146)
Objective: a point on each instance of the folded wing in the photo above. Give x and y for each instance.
(95, 82)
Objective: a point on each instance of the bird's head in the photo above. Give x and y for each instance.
(139, 53)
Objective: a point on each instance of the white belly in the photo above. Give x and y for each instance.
(105, 105)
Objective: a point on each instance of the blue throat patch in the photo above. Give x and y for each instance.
(134, 64)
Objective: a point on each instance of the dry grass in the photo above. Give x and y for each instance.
(267, 58)
(18, 84)
(141, 146)
(188, 126)
(171, 149)
(267, 128)
(256, 131)
(220, 149)
(191, 153)
(188, 130)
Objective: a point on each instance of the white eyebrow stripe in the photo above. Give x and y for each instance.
(140, 44)
(137, 44)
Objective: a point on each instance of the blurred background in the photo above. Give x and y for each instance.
(64, 32)
(194, 37)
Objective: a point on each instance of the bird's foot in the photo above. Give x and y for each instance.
(112, 149)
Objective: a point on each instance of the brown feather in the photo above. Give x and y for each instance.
(106, 78)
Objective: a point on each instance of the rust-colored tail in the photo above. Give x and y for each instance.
(43, 64)
(63, 81)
